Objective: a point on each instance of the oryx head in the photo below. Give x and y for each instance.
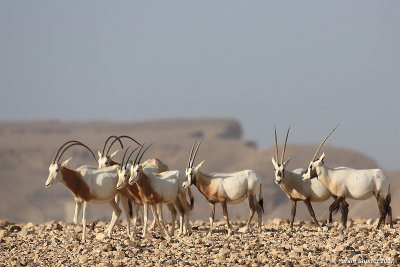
(123, 172)
(136, 167)
(190, 171)
(280, 166)
(105, 160)
(55, 168)
(312, 170)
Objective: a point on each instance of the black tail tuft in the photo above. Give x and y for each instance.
(261, 203)
(335, 208)
(191, 203)
(387, 205)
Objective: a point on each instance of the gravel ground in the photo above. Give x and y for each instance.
(58, 244)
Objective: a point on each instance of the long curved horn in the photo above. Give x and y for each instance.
(127, 160)
(122, 162)
(191, 153)
(195, 153)
(137, 155)
(61, 147)
(112, 143)
(276, 146)
(319, 148)
(74, 144)
(126, 136)
(144, 152)
(284, 147)
(108, 139)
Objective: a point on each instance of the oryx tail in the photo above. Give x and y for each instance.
(261, 198)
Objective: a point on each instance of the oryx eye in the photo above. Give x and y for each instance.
(57, 170)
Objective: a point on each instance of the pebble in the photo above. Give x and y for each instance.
(55, 244)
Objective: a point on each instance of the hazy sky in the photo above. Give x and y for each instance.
(310, 64)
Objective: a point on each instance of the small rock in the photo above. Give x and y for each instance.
(15, 229)
(100, 236)
(3, 233)
(29, 225)
(82, 259)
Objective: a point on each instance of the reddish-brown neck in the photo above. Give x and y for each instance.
(74, 181)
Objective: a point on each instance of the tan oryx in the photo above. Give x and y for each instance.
(88, 184)
(350, 183)
(160, 188)
(295, 188)
(226, 188)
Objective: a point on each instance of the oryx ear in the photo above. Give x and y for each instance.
(322, 157)
(99, 154)
(65, 161)
(274, 163)
(198, 166)
(113, 154)
(286, 162)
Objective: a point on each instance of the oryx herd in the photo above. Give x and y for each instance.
(150, 183)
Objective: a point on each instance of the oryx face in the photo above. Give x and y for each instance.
(54, 175)
(279, 170)
(188, 178)
(122, 178)
(312, 168)
(105, 161)
(134, 172)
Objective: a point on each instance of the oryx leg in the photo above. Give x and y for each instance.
(293, 211)
(345, 212)
(225, 211)
(389, 212)
(335, 204)
(185, 212)
(212, 215)
(311, 211)
(145, 213)
(381, 206)
(135, 218)
(172, 210)
(154, 221)
(126, 205)
(78, 206)
(157, 209)
(252, 205)
(331, 211)
(116, 213)
(259, 211)
(84, 215)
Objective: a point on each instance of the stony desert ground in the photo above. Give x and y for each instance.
(58, 244)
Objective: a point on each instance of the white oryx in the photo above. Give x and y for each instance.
(88, 184)
(226, 188)
(296, 189)
(160, 188)
(153, 165)
(351, 183)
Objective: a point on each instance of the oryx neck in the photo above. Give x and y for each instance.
(75, 183)
(202, 181)
(113, 163)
